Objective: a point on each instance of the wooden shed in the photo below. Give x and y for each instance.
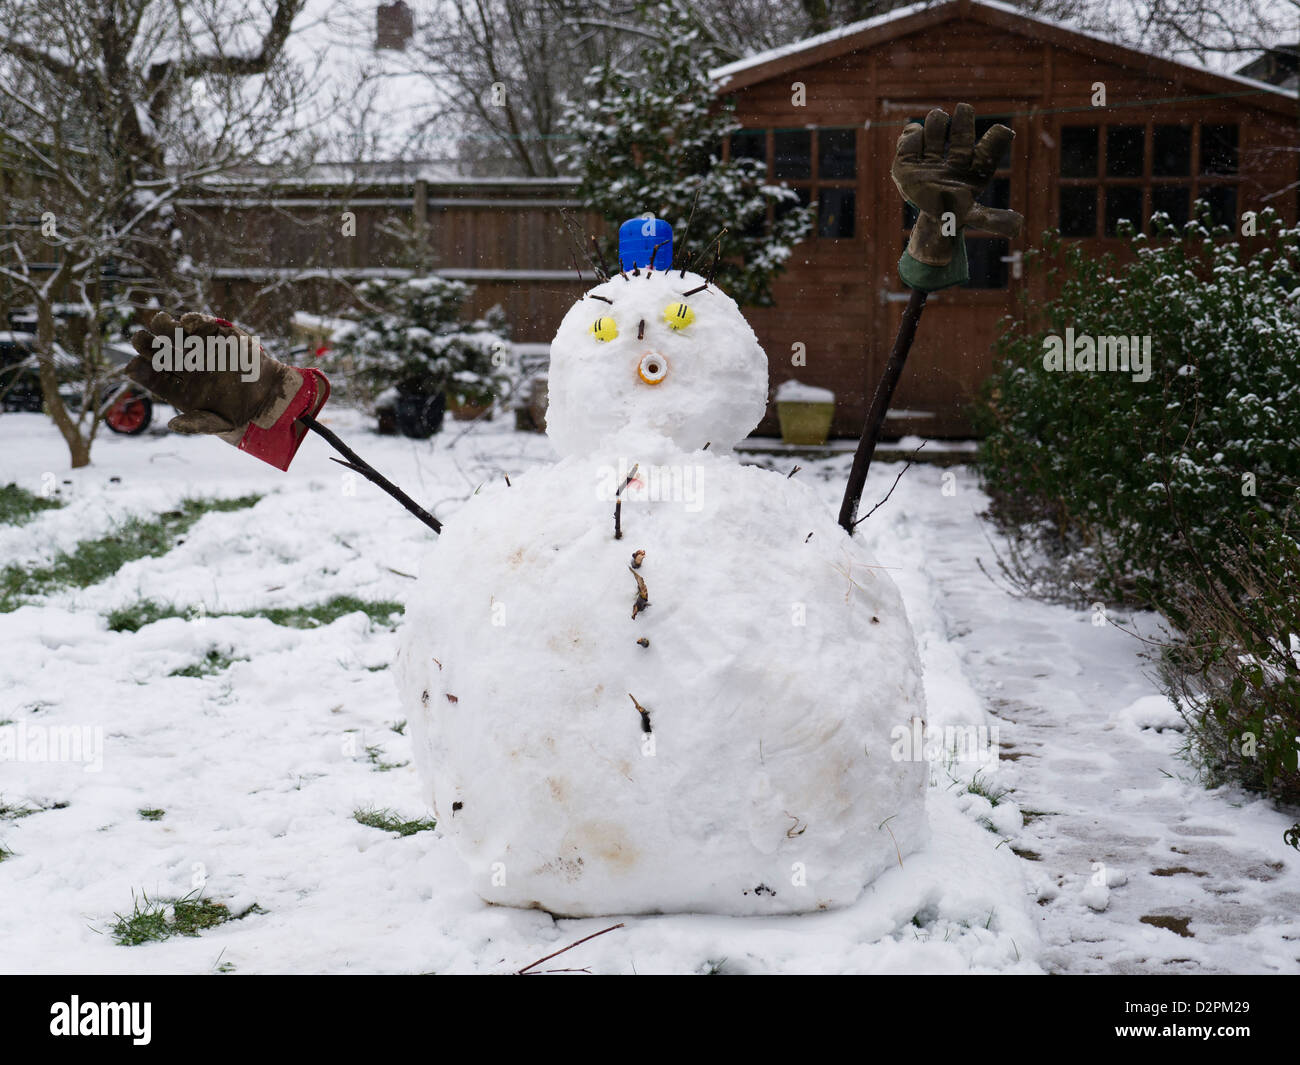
(825, 115)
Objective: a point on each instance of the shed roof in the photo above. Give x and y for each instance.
(858, 36)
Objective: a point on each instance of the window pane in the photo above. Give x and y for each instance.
(837, 154)
(750, 144)
(1172, 151)
(1123, 201)
(1079, 151)
(1219, 149)
(1079, 211)
(1173, 200)
(1124, 150)
(987, 270)
(835, 212)
(982, 126)
(793, 154)
(1223, 204)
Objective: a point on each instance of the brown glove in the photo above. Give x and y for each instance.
(212, 399)
(225, 384)
(937, 186)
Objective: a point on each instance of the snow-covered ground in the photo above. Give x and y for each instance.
(260, 767)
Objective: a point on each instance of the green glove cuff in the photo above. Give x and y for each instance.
(933, 278)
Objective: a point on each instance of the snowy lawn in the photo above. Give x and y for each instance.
(243, 748)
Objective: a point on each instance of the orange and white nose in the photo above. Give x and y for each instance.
(652, 368)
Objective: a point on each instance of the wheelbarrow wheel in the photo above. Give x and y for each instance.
(130, 414)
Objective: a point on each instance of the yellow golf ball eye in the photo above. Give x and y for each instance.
(604, 329)
(652, 368)
(679, 315)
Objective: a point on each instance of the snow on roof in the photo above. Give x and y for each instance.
(723, 74)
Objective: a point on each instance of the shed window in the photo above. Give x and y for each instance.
(835, 212)
(792, 154)
(1079, 153)
(1172, 151)
(1079, 211)
(1109, 173)
(1124, 146)
(818, 164)
(1218, 149)
(749, 144)
(837, 154)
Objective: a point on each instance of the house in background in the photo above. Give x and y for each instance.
(1169, 134)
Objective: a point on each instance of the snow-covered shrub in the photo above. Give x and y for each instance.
(1180, 492)
(1235, 667)
(408, 335)
(1122, 482)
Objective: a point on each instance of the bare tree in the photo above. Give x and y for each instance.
(109, 111)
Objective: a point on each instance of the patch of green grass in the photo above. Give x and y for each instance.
(992, 792)
(147, 922)
(95, 560)
(387, 821)
(17, 505)
(380, 612)
(152, 814)
(213, 662)
(375, 755)
(135, 617)
(192, 916)
(153, 920)
(5, 852)
(12, 811)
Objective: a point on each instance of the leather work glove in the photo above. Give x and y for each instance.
(231, 389)
(937, 187)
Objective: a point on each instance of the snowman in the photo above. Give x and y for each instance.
(649, 679)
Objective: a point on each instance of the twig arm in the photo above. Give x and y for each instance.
(879, 407)
(361, 466)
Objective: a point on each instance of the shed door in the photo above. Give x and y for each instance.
(953, 350)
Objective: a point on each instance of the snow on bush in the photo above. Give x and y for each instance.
(408, 335)
(1178, 491)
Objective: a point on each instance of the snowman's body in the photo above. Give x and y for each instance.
(726, 750)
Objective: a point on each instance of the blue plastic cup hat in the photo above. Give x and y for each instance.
(641, 238)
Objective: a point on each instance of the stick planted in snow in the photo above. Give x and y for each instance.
(879, 407)
(618, 502)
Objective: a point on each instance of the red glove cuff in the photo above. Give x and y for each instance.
(278, 444)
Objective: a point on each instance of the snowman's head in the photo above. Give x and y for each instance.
(655, 351)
